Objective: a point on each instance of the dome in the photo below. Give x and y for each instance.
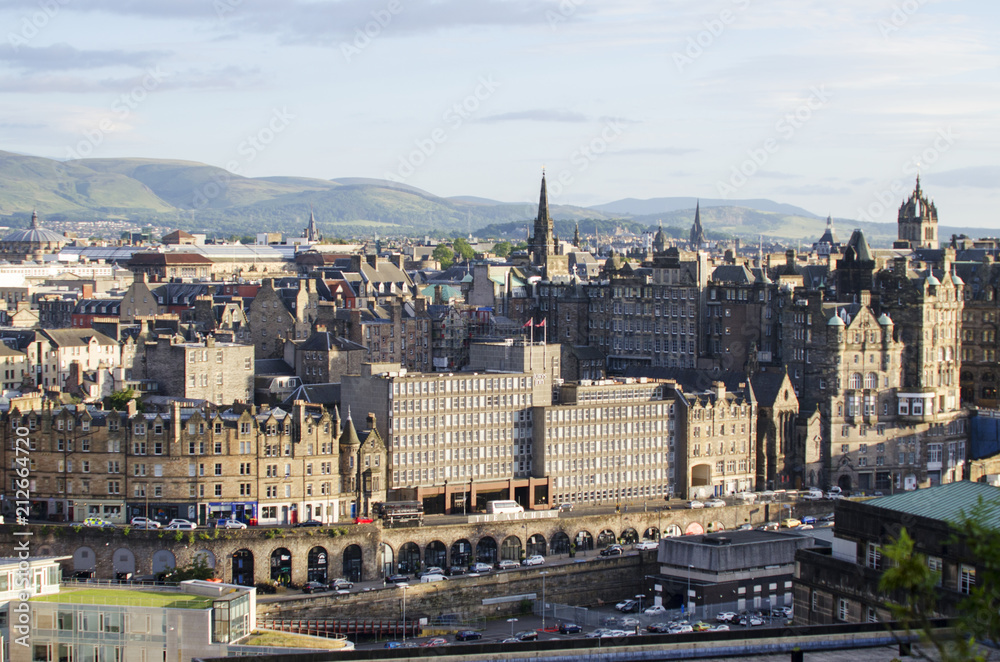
(931, 280)
(956, 279)
(836, 321)
(35, 234)
(884, 320)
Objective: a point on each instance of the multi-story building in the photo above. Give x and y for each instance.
(220, 372)
(324, 358)
(980, 327)
(14, 366)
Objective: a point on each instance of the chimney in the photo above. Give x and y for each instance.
(175, 419)
(373, 260)
(209, 341)
(397, 259)
(720, 391)
(790, 257)
(866, 298)
(355, 263)
(370, 421)
(87, 290)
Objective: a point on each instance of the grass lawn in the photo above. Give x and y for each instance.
(289, 640)
(129, 597)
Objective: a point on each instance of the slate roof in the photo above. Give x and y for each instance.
(766, 386)
(324, 341)
(948, 502)
(324, 394)
(272, 367)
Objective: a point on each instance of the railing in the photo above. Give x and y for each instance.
(347, 627)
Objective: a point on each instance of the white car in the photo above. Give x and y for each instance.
(535, 559)
(144, 523)
(230, 524)
(180, 522)
(726, 617)
(180, 526)
(695, 504)
(655, 610)
(678, 629)
(812, 496)
(720, 628)
(715, 503)
(646, 545)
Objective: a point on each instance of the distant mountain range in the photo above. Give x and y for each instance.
(199, 197)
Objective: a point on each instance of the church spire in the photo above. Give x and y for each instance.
(697, 232)
(543, 242)
(576, 235)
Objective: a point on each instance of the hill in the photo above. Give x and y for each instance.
(652, 206)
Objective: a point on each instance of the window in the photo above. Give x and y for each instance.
(842, 612)
(934, 565)
(967, 579)
(874, 560)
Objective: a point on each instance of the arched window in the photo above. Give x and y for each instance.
(871, 380)
(855, 381)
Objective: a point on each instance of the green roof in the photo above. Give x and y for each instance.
(948, 502)
(127, 598)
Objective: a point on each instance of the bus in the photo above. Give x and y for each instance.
(402, 512)
(503, 507)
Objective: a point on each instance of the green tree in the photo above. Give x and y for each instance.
(197, 569)
(502, 249)
(444, 254)
(463, 248)
(119, 400)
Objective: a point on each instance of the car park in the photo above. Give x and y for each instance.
(315, 587)
(655, 610)
(569, 628)
(646, 545)
(98, 523)
(715, 503)
(341, 585)
(508, 564)
(308, 523)
(481, 567)
(612, 550)
(144, 523)
(535, 559)
(468, 635)
(694, 503)
(227, 524)
(526, 635)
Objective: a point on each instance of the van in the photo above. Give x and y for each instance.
(426, 579)
(504, 507)
(813, 495)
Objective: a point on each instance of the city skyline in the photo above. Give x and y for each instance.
(834, 109)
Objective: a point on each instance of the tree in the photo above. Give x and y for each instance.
(197, 569)
(463, 248)
(502, 249)
(444, 255)
(119, 400)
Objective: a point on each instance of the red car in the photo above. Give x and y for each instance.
(363, 520)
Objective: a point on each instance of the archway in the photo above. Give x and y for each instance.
(715, 527)
(352, 563)
(163, 561)
(124, 563)
(652, 533)
(461, 553)
(629, 536)
(694, 529)
(560, 543)
(536, 545)
(486, 550)
(584, 541)
(206, 557)
(409, 558)
(83, 560)
(435, 554)
(317, 564)
(672, 531)
(281, 566)
(701, 475)
(510, 549)
(387, 560)
(243, 567)
(844, 483)
(606, 537)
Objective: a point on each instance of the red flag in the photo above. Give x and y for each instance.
(541, 324)
(527, 324)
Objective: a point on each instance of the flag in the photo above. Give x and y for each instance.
(527, 324)
(541, 324)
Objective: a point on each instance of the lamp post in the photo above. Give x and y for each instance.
(512, 621)
(404, 587)
(543, 573)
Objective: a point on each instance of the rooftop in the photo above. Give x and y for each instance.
(127, 598)
(949, 502)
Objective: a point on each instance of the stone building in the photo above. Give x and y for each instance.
(324, 358)
(781, 457)
(219, 372)
(163, 266)
(31, 244)
(918, 221)
(14, 365)
(282, 313)
(980, 326)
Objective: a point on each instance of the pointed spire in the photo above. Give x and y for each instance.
(697, 237)
(576, 235)
(829, 221)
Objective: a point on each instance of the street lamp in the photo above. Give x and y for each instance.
(543, 573)
(512, 621)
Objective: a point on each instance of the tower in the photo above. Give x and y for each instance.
(312, 234)
(659, 241)
(697, 232)
(576, 235)
(917, 221)
(542, 242)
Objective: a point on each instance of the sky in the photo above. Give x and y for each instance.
(832, 106)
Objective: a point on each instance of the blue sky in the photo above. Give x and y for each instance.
(832, 106)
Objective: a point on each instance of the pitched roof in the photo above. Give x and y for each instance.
(324, 341)
(948, 502)
(76, 337)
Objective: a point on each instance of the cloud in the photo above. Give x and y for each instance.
(658, 151)
(539, 115)
(813, 189)
(63, 57)
(974, 176)
(155, 78)
(771, 174)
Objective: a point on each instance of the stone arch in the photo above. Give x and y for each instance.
(606, 537)
(559, 543)
(701, 475)
(536, 545)
(436, 554)
(584, 541)
(715, 527)
(510, 549)
(694, 529)
(629, 536)
(243, 567)
(844, 482)
(387, 559)
(486, 550)
(461, 552)
(672, 531)
(353, 563)
(652, 533)
(84, 560)
(163, 560)
(207, 556)
(281, 566)
(409, 558)
(123, 563)
(317, 565)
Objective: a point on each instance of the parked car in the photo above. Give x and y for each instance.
(180, 526)
(309, 523)
(397, 579)
(457, 570)
(481, 567)
(182, 522)
(646, 545)
(620, 605)
(628, 622)
(569, 628)
(745, 527)
(833, 496)
(694, 503)
(720, 628)
(430, 570)
(508, 564)
(790, 523)
(627, 606)
(341, 585)
(808, 519)
(468, 635)
(655, 610)
(535, 559)
(598, 633)
(612, 550)
(99, 523)
(804, 527)
(768, 526)
(144, 523)
(227, 523)
(526, 635)
(658, 628)
(436, 641)
(563, 507)
(701, 626)
(755, 620)
(726, 617)
(315, 587)
(715, 503)
(678, 629)
(813, 495)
